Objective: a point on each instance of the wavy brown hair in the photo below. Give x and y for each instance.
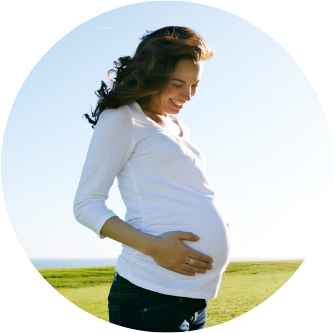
(150, 69)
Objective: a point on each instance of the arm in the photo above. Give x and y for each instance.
(167, 249)
(110, 148)
(124, 233)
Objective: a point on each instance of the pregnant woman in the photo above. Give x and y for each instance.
(176, 238)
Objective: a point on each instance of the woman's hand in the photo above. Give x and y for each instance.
(170, 252)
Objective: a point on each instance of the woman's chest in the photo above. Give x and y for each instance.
(157, 147)
(166, 123)
(171, 127)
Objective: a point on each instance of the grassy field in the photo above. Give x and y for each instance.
(244, 286)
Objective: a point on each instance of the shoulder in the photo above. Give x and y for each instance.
(124, 113)
(120, 114)
(115, 119)
(115, 124)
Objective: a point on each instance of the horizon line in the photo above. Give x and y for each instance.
(278, 257)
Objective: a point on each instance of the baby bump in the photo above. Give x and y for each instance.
(214, 241)
(208, 221)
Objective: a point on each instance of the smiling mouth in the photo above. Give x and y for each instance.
(178, 104)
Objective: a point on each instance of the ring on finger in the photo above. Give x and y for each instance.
(191, 262)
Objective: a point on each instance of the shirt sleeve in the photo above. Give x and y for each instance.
(110, 148)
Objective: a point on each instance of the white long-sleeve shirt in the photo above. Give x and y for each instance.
(162, 181)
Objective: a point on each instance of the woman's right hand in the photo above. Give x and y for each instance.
(169, 251)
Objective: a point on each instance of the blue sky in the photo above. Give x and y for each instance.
(255, 116)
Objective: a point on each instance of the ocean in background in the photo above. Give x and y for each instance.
(72, 262)
(96, 262)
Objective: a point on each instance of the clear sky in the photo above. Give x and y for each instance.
(256, 117)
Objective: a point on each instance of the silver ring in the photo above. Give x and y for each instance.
(191, 262)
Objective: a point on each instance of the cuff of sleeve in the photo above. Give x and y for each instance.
(101, 223)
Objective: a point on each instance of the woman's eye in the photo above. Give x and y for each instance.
(194, 86)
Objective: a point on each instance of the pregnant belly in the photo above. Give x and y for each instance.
(214, 234)
(208, 221)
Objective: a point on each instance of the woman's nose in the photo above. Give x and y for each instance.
(186, 95)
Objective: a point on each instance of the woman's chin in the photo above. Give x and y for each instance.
(173, 111)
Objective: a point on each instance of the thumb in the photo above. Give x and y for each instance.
(187, 236)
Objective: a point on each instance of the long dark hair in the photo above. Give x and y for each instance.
(149, 70)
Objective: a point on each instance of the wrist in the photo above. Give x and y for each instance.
(149, 244)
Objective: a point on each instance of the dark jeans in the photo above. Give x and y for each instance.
(141, 309)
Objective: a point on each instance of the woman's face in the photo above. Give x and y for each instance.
(179, 90)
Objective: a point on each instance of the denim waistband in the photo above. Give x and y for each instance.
(122, 281)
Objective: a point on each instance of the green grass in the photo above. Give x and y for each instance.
(244, 286)
(71, 278)
(247, 284)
